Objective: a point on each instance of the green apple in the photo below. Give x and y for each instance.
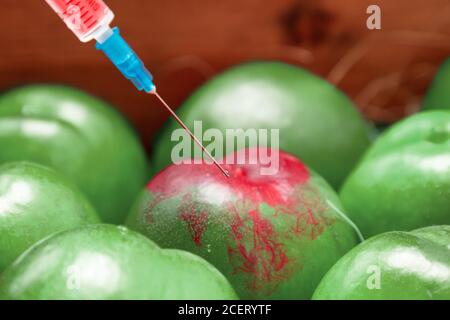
(403, 182)
(34, 203)
(78, 135)
(110, 262)
(316, 121)
(438, 95)
(395, 265)
(273, 236)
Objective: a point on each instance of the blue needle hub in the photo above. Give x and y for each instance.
(127, 61)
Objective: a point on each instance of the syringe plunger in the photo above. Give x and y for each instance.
(91, 19)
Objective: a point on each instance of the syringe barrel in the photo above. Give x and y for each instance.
(86, 18)
(91, 19)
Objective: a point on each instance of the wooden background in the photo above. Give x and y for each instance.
(185, 42)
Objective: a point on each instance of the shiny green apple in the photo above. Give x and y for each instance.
(110, 262)
(395, 265)
(81, 137)
(438, 95)
(403, 182)
(35, 202)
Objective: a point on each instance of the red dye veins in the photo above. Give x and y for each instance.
(258, 251)
(150, 206)
(307, 208)
(196, 221)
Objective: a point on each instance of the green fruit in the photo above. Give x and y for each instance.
(403, 182)
(34, 203)
(438, 95)
(110, 262)
(79, 136)
(394, 265)
(317, 122)
(273, 236)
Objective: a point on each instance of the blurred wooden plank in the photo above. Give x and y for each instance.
(186, 42)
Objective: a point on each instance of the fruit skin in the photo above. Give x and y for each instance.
(273, 237)
(438, 95)
(317, 122)
(408, 265)
(34, 203)
(79, 136)
(403, 182)
(110, 262)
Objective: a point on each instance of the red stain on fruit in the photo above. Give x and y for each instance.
(265, 214)
(148, 211)
(196, 221)
(307, 208)
(245, 179)
(257, 251)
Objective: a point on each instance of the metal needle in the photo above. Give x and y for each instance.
(181, 123)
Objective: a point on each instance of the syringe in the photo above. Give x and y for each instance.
(91, 19)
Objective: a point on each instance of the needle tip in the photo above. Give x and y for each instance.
(181, 123)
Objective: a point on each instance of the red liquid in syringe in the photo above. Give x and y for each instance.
(82, 16)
